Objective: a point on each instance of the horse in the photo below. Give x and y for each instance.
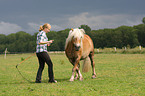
(79, 46)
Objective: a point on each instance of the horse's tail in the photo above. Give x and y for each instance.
(86, 64)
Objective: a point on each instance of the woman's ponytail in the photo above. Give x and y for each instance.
(41, 28)
(46, 25)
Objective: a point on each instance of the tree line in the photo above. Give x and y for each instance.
(122, 36)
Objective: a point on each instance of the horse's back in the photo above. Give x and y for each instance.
(88, 43)
(87, 46)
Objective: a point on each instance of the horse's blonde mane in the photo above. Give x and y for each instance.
(76, 33)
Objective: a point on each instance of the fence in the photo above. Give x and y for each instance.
(124, 50)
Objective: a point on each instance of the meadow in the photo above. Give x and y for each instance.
(117, 75)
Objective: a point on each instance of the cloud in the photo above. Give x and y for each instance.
(94, 20)
(31, 28)
(7, 28)
(57, 28)
(34, 27)
(98, 21)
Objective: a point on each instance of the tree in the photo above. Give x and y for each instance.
(2, 48)
(129, 36)
(98, 38)
(86, 28)
(23, 36)
(143, 20)
(106, 38)
(59, 39)
(118, 37)
(11, 38)
(140, 31)
(2, 39)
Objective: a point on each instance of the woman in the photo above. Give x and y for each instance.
(42, 55)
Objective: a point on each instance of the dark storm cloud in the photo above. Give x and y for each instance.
(27, 15)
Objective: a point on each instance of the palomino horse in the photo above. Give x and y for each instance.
(79, 46)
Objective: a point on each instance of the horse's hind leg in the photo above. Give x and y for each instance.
(91, 55)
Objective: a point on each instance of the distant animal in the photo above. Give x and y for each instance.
(79, 46)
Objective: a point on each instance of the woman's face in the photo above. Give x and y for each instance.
(47, 30)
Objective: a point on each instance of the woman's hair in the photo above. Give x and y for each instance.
(46, 25)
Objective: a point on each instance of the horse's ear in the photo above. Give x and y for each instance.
(82, 30)
(72, 29)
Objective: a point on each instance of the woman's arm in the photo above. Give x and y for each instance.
(46, 42)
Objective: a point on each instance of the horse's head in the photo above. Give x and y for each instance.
(75, 37)
(77, 42)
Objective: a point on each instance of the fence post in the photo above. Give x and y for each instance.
(5, 53)
(98, 50)
(140, 47)
(115, 49)
(125, 48)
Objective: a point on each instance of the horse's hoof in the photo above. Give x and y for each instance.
(71, 80)
(76, 78)
(94, 76)
(81, 79)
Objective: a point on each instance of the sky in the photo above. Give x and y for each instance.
(28, 15)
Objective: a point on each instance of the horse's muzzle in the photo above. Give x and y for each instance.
(77, 48)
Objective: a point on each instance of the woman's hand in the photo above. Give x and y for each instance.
(49, 42)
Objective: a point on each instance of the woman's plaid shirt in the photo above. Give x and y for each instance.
(41, 36)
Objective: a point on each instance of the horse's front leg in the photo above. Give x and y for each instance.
(73, 72)
(78, 74)
(74, 69)
(81, 77)
(73, 63)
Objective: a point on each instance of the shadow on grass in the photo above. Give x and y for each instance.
(58, 80)
(33, 82)
(7, 83)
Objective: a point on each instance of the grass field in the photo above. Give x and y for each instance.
(117, 75)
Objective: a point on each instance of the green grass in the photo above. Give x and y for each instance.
(117, 75)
